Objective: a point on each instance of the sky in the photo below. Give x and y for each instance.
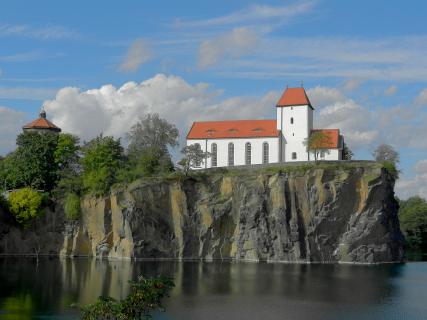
(97, 66)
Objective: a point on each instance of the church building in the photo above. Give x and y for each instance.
(247, 142)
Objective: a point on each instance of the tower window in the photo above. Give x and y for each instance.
(248, 153)
(265, 153)
(292, 120)
(231, 154)
(294, 155)
(214, 151)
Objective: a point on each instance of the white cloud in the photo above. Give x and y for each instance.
(49, 32)
(417, 185)
(422, 98)
(138, 53)
(11, 122)
(322, 96)
(254, 14)
(352, 84)
(238, 42)
(27, 93)
(113, 111)
(391, 90)
(391, 59)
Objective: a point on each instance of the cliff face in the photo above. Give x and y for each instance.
(322, 214)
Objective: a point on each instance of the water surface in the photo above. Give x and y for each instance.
(48, 289)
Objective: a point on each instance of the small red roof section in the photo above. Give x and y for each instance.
(293, 97)
(332, 140)
(42, 123)
(233, 129)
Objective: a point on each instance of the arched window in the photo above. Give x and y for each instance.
(248, 153)
(292, 120)
(197, 162)
(265, 152)
(231, 154)
(214, 155)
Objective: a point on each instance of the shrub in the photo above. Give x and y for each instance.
(145, 296)
(72, 206)
(25, 205)
(391, 168)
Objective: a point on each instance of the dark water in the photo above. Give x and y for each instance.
(219, 290)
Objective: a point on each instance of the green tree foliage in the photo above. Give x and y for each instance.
(39, 160)
(316, 141)
(66, 152)
(145, 296)
(193, 157)
(33, 162)
(102, 159)
(149, 142)
(72, 206)
(413, 222)
(25, 204)
(347, 154)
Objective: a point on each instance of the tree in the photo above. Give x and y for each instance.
(102, 158)
(193, 157)
(145, 296)
(25, 205)
(33, 162)
(347, 154)
(413, 222)
(66, 152)
(316, 142)
(149, 142)
(152, 132)
(385, 152)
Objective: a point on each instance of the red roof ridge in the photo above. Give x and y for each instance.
(233, 129)
(294, 97)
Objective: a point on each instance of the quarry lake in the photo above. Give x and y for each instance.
(218, 290)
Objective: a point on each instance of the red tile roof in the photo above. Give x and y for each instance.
(41, 123)
(233, 129)
(333, 138)
(293, 97)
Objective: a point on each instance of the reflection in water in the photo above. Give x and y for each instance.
(218, 290)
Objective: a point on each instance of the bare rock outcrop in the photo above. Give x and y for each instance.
(326, 213)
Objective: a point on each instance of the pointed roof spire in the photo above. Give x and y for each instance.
(294, 97)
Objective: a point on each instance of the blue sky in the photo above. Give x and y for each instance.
(98, 65)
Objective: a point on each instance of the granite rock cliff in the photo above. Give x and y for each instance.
(325, 213)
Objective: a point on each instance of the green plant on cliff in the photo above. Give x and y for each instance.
(25, 204)
(72, 206)
(145, 296)
(413, 222)
(103, 157)
(391, 168)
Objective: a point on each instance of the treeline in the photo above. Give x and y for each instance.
(413, 223)
(59, 166)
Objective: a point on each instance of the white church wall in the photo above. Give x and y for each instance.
(328, 154)
(239, 150)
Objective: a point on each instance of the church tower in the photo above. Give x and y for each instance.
(295, 122)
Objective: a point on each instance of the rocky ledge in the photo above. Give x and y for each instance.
(326, 213)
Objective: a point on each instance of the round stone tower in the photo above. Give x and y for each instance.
(41, 125)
